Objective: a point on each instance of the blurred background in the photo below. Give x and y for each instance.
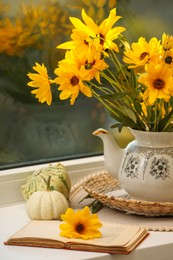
(32, 133)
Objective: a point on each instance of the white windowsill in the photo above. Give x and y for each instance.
(159, 245)
(12, 179)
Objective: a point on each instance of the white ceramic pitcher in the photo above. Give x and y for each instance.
(145, 167)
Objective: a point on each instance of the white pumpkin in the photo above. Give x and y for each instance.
(46, 205)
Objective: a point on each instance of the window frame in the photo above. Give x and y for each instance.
(12, 179)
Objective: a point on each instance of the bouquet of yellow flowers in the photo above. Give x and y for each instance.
(134, 82)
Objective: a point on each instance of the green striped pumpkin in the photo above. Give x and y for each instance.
(37, 181)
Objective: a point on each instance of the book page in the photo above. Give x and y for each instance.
(112, 235)
(47, 229)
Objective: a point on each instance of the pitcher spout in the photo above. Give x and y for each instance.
(113, 154)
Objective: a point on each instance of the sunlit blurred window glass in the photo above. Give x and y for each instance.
(31, 132)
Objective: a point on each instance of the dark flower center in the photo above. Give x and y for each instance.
(74, 81)
(143, 55)
(88, 65)
(158, 83)
(86, 43)
(79, 228)
(168, 60)
(101, 38)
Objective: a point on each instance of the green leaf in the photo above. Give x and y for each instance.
(164, 121)
(116, 95)
(133, 79)
(137, 106)
(96, 206)
(88, 196)
(115, 125)
(126, 121)
(119, 126)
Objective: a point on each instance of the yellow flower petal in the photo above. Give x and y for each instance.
(158, 81)
(81, 224)
(41, 82)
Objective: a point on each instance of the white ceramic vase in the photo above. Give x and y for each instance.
(145, 167)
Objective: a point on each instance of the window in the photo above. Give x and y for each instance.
(33, 133)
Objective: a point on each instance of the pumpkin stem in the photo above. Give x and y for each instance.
(47, 182)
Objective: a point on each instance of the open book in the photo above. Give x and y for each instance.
(116, 239)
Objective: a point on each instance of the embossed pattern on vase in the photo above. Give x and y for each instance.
(147, 172)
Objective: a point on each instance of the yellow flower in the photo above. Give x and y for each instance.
(95, 8)
(167, 42)
(41, 82)
(71, 78)
(141, 52)
(109, 34)
(89, 38)
(168, 58)
(91, 70)
(159, 83)
(83, 40)
(135, 85)
(80, 224)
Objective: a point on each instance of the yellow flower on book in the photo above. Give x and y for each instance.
(41, 82)
(80, 224)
